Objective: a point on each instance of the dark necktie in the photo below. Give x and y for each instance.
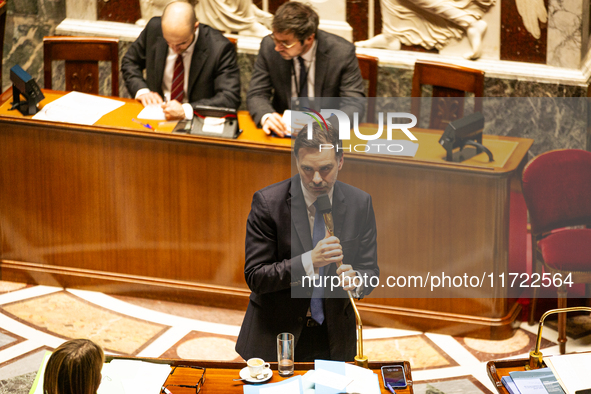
(177, 91)
(303, 88)
(316, 303)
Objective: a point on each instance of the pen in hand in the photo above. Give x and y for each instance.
(146, 125)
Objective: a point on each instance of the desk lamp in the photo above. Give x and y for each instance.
(326, 208)
(535, 356)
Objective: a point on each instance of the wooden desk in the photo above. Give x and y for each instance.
(497, 369)
(117, 208)
(219, 375)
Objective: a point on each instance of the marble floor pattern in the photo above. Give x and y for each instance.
(38, 318)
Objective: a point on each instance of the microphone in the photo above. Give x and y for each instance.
(325, 207)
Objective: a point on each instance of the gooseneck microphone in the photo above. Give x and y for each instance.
(325, 207)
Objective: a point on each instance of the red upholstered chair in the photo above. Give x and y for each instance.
(557, 191)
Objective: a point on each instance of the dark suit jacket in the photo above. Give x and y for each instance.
(336, 75)
(274, 270)
(214, 77)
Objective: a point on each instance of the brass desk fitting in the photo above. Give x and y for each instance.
(360, 359)
(535, 356)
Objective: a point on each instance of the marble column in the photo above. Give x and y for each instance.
(565, 24)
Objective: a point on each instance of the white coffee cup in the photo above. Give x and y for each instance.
(256, 366)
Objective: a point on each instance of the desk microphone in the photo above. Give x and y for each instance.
(325, 207)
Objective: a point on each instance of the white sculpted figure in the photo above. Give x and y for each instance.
(532, 12)
(150, 9)
(226, 15)
(431, 23)
(240, 16)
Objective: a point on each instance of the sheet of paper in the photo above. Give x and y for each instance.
(528, 382)
(571, 370)
(369, 384)
(109, 383)
(289, 386)
(213, 125)
(330, 379)
(79, 108)
(152, 112)
(133, 376)
(332, 366)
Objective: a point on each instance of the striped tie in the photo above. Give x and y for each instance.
(178, 80)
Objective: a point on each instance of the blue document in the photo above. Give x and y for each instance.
(510, 385)
(535, 381)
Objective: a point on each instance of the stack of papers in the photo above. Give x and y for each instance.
(79, 108)
(328, 377)
(571, 370)
(537, 381)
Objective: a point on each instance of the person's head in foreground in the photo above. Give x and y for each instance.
(74, 368)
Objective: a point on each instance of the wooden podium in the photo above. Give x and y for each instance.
(118, 208)
(219, 375)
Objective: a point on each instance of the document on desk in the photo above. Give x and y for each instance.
(133, 377)
(571, 370)
(354, 378)
(290, 386)
(79, 108)
(536, 381)
(152, 112)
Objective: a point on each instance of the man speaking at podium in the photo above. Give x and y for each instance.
(186, 64)
(281, 229)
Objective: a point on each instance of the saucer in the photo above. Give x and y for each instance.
(245, 374)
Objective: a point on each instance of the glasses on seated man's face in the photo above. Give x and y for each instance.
(283, 44)
(197, 386)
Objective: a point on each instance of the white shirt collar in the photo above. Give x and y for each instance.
(311, 54)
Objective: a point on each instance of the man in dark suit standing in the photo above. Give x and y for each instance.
(187, 63)
(281, 257)
(298, 60)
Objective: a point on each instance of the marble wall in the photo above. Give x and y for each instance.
(29, 20)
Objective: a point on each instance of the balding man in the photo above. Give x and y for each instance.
(187, 64)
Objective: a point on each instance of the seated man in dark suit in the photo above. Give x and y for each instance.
(282, 228)
(187, 63)
(329, 65)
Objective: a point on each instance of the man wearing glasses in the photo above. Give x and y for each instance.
(186, 64)
(298, 60)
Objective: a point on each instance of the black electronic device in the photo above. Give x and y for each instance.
(462, 132)
(23, 84)
(393, 377)
(215, 122)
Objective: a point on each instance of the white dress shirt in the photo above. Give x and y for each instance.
(168, 74)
